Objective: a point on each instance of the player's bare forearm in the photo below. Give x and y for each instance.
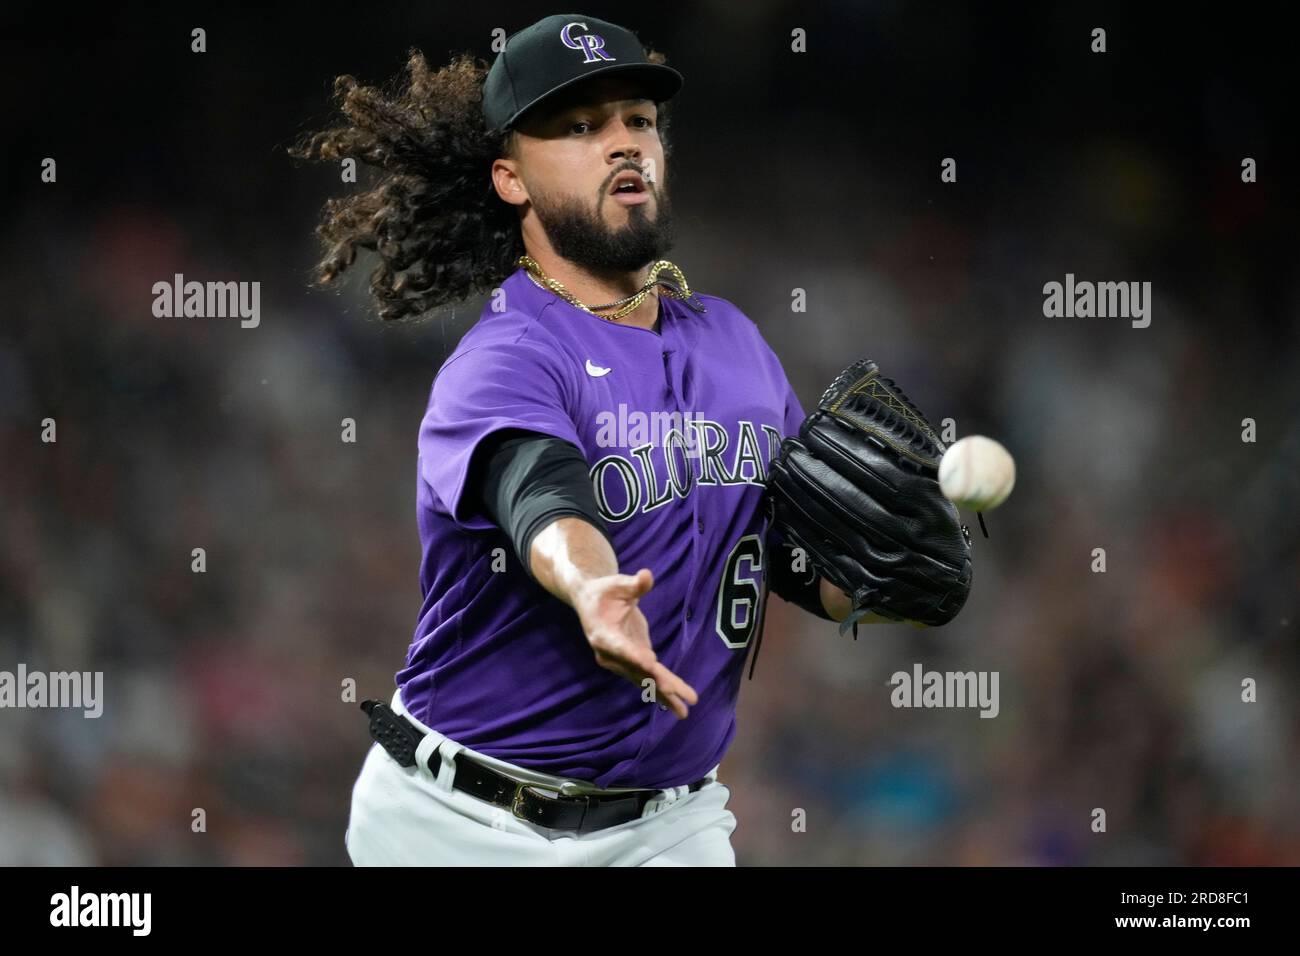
(574, 561)
(567, 554)
(835, 601)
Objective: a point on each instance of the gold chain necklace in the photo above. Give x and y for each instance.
(678, 289)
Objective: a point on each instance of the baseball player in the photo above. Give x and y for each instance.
(591, 468)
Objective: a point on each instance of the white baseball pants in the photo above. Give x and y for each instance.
(405, 816)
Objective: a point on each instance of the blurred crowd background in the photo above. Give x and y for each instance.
(1119, 690)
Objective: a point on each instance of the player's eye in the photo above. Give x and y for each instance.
(648, 121)
(579, 127)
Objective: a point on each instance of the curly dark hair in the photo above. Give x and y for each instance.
(441, 232)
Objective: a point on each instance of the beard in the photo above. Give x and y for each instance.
(580, 235)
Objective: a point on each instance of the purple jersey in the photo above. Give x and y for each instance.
(678, 428)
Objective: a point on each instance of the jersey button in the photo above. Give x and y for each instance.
(689, 614)
(699, 523)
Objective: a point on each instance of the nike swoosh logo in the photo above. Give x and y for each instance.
(595, 371)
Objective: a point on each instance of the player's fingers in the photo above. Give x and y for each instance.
(632, 586)
(639, 664)
(639, 659)
(669, 690)
(677, 705)
(669, 683)
(674, 703)
(618, 667)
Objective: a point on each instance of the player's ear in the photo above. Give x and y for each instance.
(508, 183)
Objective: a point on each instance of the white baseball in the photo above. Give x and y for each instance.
(977, 473)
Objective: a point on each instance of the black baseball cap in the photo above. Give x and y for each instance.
(559, 51)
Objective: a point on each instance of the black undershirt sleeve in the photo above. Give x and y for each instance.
(529, 480)
(802, 588)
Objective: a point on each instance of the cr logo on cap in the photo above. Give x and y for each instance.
(591, 44)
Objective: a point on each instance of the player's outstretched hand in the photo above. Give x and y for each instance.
(620, 636)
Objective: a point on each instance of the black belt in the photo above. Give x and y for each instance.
(585, 814)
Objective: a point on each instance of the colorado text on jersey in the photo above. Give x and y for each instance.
(641, 489)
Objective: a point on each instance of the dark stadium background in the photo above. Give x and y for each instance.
(817, 171)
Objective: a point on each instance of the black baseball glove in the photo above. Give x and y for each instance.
(858, 491)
